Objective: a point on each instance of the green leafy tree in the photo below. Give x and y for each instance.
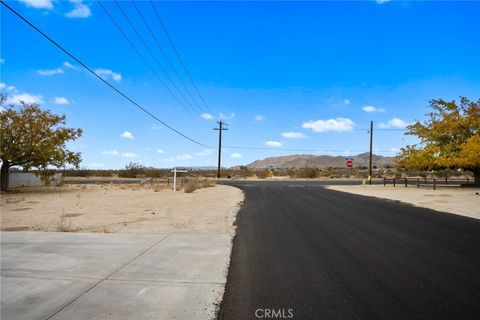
(449, 138)
(32, 138)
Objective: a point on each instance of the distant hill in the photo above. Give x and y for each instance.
(322, 161)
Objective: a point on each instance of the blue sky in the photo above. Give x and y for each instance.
(283, 75)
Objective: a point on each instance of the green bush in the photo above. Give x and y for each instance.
(132, 170)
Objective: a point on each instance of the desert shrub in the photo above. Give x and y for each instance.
(208, 184)
(63, 224)
(132, 170)
(308, 173)
(262, 173)
(86, 173)
(191, 187)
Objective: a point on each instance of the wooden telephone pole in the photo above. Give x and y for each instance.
(220, 129)
(370, 162)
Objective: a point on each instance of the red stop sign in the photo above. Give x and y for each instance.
(349, 163)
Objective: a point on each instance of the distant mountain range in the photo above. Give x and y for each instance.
(322, 161)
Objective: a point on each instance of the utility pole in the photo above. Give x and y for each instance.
(220, 129)
(370, 162)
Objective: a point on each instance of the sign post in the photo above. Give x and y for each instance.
(349, 165)
(270, 170)
(175, 170)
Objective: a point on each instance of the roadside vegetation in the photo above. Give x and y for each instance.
(449, 138)
(35, 140)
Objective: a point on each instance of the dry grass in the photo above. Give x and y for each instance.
(191, 187)
(15, 200)
(64, 224)
(194, 185)
(208, 184)
(106, 229)
(107, 208)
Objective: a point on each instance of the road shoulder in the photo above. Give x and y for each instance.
(456, 200)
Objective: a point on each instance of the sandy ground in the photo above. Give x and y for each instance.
(121, 208)
(462, 201)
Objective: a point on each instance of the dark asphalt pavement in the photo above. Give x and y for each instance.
(331, 255)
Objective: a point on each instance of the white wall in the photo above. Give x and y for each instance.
(27, 179)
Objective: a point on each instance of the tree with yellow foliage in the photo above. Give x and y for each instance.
(32, 138)
(449, 138)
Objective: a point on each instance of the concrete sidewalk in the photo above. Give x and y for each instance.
(112, 276)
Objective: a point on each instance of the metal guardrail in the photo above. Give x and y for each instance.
(434, 182)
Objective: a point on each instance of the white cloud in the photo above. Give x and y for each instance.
(109, 73)
(346, 102)
(7, 87)
(38, 4)
(204, 153)
(293, 135)
(273, 144)
(129, 155)
(382, 1)
(67, 64)
(206, 116)
(127, 134)
(393, 150)
(226, 117)
(80, 10)
(160, 151)
(61, 100)
(393, 123)
(50, 72)
(25, 97)
(372, 109)
(184, 157)
(2, 61)
(236, 155)
(259, 118)
(2, 109)
(337, 124)
(111, 152)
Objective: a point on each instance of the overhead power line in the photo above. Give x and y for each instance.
(100, 78)
(145, 44)
(166, 56)
(298, 150)
(146, 111)
(179, 56)
(112, 20)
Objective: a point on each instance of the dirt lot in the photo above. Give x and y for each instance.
(121, 208)
(462, 201)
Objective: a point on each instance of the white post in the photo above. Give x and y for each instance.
(174, 179)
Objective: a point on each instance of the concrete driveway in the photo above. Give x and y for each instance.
(112, 276)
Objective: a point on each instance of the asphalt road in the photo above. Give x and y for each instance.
(329, 255)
